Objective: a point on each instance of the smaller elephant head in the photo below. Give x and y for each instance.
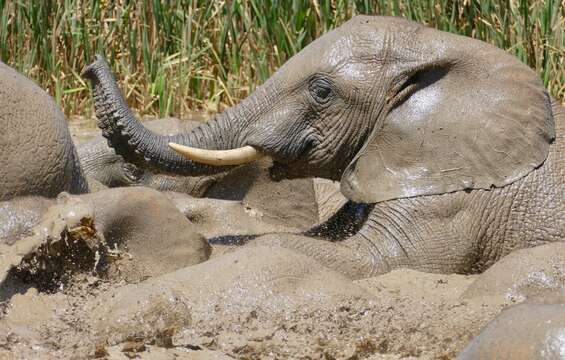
(390, 108)
(100, 163)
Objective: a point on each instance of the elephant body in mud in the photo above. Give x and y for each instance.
(525, 331)
(448, 142)
(37, 155)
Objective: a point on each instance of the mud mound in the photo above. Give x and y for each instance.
(526, 331)
(252, 302)
(255, 302)
(526, 274)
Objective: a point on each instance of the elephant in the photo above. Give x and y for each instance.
(103, 167)
(532, 275)
(534, 328)
(37, 155)
(450, 150)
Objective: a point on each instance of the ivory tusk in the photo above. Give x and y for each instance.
(237, 156)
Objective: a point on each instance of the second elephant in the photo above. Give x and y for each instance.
(37, 154)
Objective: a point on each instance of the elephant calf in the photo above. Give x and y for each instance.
(449, 142)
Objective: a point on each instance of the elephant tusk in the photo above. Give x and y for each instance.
(237, 156)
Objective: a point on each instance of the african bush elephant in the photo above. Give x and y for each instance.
(525, 331)
(450, 142)
(37, 155)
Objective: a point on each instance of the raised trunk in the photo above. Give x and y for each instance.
(139, 145)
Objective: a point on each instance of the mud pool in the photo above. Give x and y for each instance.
(158, 299)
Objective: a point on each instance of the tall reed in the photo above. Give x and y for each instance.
(174, 57)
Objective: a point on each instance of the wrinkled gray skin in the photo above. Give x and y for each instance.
(449, 141)
(37, 155)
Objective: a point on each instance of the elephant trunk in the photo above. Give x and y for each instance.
(139, 145)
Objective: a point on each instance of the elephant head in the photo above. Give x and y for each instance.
(390, 108)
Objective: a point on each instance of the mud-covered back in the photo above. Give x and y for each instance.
(37, 155)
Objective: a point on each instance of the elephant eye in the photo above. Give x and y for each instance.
(320, 90)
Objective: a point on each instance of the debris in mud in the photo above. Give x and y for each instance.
(132, 347)
(365, 347)
(64, 242)
(153, 318)
(100, 351)
(164, 337)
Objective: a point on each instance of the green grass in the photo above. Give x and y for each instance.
(174, 57)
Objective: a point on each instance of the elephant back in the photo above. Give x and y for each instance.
(37, 155)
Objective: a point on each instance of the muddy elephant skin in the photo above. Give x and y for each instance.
(37, 155)
(454, 145)
(137, 233)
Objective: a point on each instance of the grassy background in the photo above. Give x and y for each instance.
(174, 57)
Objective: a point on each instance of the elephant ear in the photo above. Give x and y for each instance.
(482, 121)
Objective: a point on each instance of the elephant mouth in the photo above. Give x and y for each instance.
(290, 170)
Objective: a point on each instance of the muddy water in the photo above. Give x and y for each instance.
(266, 303)
(82, 129)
